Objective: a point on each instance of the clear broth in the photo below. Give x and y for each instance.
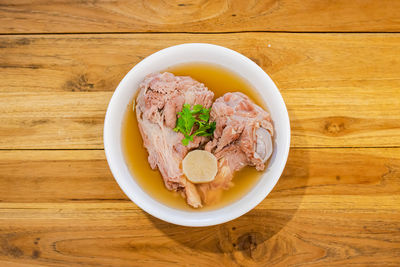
(218, 80)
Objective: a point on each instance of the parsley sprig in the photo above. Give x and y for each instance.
(190, 118)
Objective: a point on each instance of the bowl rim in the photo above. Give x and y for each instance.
(109, 151)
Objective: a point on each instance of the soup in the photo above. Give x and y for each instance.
(218, 80)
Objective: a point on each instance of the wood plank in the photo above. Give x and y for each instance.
(199, 16)
(333, 104)
(80, 234)
(313, 179)
(63, 208)
(323, 62)
(75, 120)
(48, 120)
(57, 176)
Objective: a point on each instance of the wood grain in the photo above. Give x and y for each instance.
(334, 178)
(323, 62)
(47, 120)
(66, 120)
(338, 200)
(325, 210)
(60, 16)
(340, 89)
(82, 235)
(35, 175)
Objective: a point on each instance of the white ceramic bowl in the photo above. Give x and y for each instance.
(206, 53)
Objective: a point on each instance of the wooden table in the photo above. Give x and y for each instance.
(337, 65)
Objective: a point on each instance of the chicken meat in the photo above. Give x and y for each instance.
(160, 97)
(243, 137)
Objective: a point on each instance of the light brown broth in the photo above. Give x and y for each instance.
(218, 80)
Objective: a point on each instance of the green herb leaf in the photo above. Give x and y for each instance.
(185, 141)
(206, 130)
(204, 117)
(186, 118)
(197, 109)
(198, 117)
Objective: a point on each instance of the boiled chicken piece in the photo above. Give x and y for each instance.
(160, 97)
(243, 137)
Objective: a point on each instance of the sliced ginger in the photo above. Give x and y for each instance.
(200, 166)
